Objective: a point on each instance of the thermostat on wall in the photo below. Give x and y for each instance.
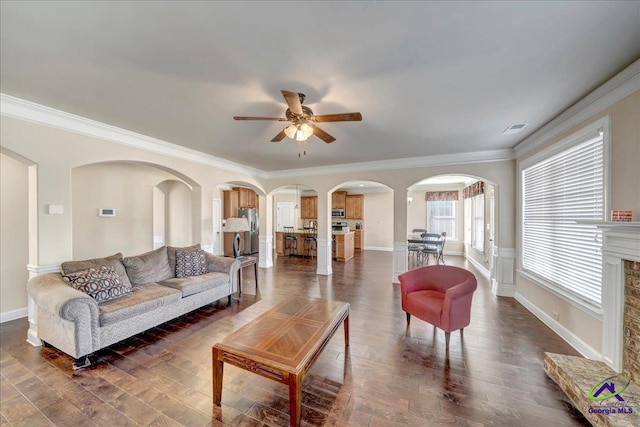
(107, 212)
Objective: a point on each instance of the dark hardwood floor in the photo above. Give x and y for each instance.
(388, 376)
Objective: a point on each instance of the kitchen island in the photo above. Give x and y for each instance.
(343, 250)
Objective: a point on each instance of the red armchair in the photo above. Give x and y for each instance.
(440, 295)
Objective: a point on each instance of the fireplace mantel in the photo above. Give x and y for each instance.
(621, 242)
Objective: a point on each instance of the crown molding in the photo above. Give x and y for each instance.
(21, 109)
(28, 111)
(618, 87)
(407, 163)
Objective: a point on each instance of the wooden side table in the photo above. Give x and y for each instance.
(246, 261)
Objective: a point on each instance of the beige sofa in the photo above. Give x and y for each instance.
(146, 292)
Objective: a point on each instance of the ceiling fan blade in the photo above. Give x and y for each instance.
(343, 117)
(322, 134)
(279, 137)
(276, 119)
(293, 101)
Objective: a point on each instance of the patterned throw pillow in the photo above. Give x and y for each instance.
(102, 284)
(190, 263)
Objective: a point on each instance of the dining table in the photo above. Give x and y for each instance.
(428, 244)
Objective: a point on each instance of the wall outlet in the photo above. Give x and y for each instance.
(555, 315)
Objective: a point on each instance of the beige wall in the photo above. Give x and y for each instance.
(378, 221)
(14, 233)
(624, 194)
(128, 188)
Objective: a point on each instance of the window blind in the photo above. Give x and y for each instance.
(557, 191)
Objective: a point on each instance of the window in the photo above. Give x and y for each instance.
(474, 221)
(467, 221)
(442, 217)
(478, 222)
(559, 188)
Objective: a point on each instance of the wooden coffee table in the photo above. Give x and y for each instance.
(282, 344)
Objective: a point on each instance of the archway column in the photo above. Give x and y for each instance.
(324, 237)
(400, 254)
(265, 239)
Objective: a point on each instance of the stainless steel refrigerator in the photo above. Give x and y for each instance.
(251, 236)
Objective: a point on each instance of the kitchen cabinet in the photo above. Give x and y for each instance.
(238, 198)
(248, 197)
(354, 206)
(309, 207)
(344, 246)
(279, 243)
(231, 203)
(228, 243)
(358, 240)
(338, 200)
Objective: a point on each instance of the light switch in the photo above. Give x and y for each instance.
(56, 209)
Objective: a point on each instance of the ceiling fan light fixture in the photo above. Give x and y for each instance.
(300, 136)
(307, 130)
(290, 131)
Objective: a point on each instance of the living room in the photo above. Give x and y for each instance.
(59, 168)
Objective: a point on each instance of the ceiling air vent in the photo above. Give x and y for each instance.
(515, 128)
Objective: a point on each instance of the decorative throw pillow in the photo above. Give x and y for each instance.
(149, 267)
(171, 253)
(102, 284)
(190, 263)
(114, 261)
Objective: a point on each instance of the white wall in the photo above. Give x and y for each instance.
(14, 235)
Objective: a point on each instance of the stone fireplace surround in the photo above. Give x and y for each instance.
(621, 333)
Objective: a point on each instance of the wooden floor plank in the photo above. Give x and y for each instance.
(389, 375)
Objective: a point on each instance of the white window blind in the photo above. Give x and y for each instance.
(557, 191)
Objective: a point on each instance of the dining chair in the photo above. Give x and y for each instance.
(415, 249)
(432, 246)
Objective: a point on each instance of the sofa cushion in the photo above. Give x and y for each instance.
(190, 263)
(114, 261)
(195, 284)
(171, 253)
(150, 267)
(102, 284)
(142, 299)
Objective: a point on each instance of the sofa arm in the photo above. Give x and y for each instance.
(53, 295)
(230, 266)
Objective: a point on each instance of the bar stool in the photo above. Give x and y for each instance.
(290, 242)
(310, 242)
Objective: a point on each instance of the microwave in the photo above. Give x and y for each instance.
(337, 213)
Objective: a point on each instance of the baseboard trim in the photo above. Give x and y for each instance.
(19, 313)
(581, 347)
(481, 268)
(378, 248)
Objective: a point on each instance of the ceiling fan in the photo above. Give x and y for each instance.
(303, 121)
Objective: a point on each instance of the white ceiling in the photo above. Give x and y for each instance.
(429, 78)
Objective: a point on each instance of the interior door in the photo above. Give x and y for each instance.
(284, 215)
(217, 228)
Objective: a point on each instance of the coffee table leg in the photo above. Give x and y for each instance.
(295, 398)
(346, 330)
(217, 368)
